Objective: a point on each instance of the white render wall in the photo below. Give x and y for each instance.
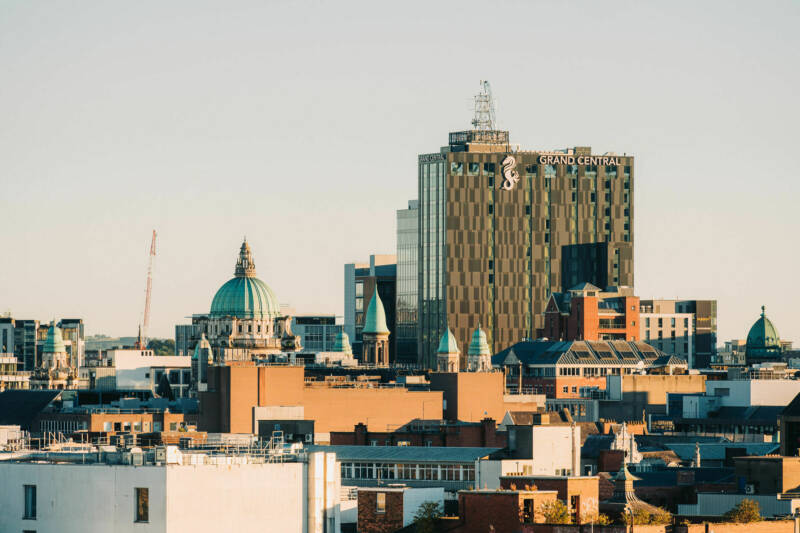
(132, 365)
(414, 497)
(244, 498)
(74, 498)
(556, 448)
(744, 393)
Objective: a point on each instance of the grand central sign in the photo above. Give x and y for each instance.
(565, 159)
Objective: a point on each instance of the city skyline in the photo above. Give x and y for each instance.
(191, 139)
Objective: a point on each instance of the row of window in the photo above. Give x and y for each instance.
(473, 169)
(409, 471)
(141, 503)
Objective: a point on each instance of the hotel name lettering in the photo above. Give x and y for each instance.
(564, 159)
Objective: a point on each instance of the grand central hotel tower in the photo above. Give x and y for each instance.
(494, 222)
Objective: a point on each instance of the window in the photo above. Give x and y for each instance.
(142, 509)
(527, 210)
(527, 511)
(565, 389)
(574, 389)
(491, 209)
(30, 502)
(488, 169)
(456, 168)
(672, 322)
(473, 169)
(380, 503)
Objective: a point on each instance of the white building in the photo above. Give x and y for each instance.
(752, 392)
(178, 493)
(672, 333)
(142, 370)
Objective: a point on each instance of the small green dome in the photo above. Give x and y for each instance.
(342, 343)
(448, 343)
(763, 334)
(54, 342)
(245, 296)
(203, 344)
(479, 346)
(375, 321)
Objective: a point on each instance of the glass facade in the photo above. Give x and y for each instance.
(431, 255)
(407, 285)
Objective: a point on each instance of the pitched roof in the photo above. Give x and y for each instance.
(716, 451)
(580, 353)
(20, 407)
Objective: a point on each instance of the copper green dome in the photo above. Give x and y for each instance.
(478, 345)
(763, 334)
(245, 296)
(448, 343)
(375, 321)
(54, 342)
(342, 343)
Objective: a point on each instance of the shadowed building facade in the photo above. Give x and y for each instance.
(492, 224)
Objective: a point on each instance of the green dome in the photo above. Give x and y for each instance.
(479, 346)
(375, 321)
(54, 342)
(245, 296)
(203, 344)
(763, 334)
(448, 343)
(342, 343)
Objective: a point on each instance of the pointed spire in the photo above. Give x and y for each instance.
(245, 266)
(375, 319)
(763, 311)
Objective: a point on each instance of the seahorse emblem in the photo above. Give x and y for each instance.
(510, 173)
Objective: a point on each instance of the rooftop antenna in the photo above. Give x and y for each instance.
(484, 118)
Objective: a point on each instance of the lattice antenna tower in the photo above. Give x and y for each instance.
(484, 118)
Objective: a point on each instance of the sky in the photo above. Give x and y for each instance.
(298, 124)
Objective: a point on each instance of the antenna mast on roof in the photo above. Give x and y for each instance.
(484, 118)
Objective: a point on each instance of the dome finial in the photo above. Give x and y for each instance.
(245, 266)
(763, 310)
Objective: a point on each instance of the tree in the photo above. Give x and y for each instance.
(555, 512)
(745, 511)
(427, 516)
(598, 519)
(643, 517)
(161, 346)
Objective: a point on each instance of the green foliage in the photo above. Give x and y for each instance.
(555, 512)
(643, 517)
(426, 517)
(161, 346)
(745, 511)
(599, 519)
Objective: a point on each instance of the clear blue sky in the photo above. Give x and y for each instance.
(298, 124)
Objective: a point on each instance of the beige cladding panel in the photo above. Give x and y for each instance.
(510, 308)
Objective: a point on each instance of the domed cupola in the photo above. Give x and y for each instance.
(245, 296)
(763, 340)
(54, 341)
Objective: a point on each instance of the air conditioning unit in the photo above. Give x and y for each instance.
(749, 489)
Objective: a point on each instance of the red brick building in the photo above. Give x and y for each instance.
(480, 511)
(388, 509)
(586, 312)
(580, 493)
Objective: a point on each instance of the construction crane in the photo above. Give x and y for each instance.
(141, 343)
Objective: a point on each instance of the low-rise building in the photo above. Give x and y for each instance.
(166, 490)
(390, 508)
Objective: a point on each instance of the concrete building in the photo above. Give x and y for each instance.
(10, 377)
(586, 312)
(166, 490)
(142, 370)
(24, 339)
(317, 333)
(682, 327)
(492, 223)
(406, 334)
(360, 283)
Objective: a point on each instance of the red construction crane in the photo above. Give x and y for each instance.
(141, 343)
